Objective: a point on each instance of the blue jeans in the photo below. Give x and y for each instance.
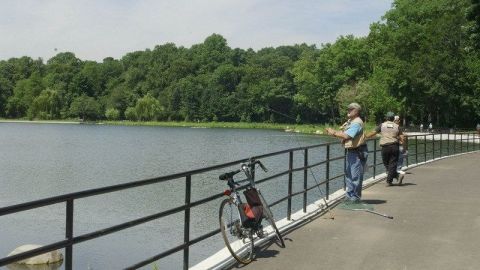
(400, 158)
(355, 167)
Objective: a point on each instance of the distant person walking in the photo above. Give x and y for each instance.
(430, 127)
(353, 139)
(389, 141)
(421, 127)
(402, 150)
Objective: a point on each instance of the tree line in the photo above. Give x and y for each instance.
(421, 60)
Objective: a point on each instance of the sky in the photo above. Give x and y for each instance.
(96, 29)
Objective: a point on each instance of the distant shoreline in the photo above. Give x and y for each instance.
(40, 121)
(302, 128)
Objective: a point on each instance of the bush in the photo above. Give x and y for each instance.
(112, 114)
(130, 114)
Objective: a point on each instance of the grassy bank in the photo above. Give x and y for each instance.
(299, 128)
(287, 127)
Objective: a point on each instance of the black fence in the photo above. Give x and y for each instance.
(421, 148)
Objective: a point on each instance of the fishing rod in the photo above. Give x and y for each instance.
(309, 169)
(313, 175)
(373, 212)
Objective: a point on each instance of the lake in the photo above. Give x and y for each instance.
(44, 160)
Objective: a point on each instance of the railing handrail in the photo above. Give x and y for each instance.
(70, 197)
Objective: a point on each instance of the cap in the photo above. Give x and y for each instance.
(390, 115)
(396, 118)
(355, 105)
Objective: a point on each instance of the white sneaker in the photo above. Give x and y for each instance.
(401, 175)
(401, 172)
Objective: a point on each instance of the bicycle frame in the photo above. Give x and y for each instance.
(245, 229)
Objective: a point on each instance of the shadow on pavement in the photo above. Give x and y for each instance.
(406, 184)
(374, 201)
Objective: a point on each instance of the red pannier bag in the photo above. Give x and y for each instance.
(254, 208)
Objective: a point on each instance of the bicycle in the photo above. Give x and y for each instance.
(239, 221)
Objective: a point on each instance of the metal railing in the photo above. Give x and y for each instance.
(431, 145)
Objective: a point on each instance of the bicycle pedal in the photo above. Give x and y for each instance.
(261, 234)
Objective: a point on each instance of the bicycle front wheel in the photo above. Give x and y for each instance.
(238, 239)
(267, 213)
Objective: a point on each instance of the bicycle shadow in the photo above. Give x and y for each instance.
(263, 251)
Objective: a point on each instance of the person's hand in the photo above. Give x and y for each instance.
(330, 131)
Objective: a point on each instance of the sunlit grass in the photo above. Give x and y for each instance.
(300, 128)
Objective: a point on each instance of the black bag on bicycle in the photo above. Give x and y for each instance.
(253, 200)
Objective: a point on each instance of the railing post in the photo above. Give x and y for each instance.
(405, 143)
(461, 142)
(433, 146)
(345, 169)
(305, 178)
(441, 143)
(69, 235)
(186, 228)
(327, 172)
(468, 140)
(374, 158)
(425, 148)
(290, 168)
(448, 143)
(454, 142)
(416, 149)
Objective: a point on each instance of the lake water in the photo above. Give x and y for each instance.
(44, 160)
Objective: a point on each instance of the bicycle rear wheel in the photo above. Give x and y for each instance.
(238, 239)
(269, 217)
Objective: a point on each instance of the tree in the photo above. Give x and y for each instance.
(85, 108)
(420, 47)
(319, 75)
(24, 92)
(112, 114)
(46, 106)
(130, 114)
(147, 108)
(473, 25)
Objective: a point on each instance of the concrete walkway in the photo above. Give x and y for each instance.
(468, 137)
(436, 225)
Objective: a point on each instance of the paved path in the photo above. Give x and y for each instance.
(436, 225)
(468, 137)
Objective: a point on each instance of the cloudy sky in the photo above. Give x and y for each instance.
(95, 29)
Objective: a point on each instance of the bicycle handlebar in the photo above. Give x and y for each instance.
(261, 165)
(251, 164)
(228, 175)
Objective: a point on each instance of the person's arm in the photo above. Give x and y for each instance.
(371, 134)
(338, 134)
(375, 132)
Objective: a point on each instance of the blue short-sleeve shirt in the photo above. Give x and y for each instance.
(353, 130)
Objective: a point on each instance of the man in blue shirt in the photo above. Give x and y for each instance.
(353, 139)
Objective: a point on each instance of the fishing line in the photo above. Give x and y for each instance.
(314, 178)
(309, 169)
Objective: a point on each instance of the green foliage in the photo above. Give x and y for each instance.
(147, 108)
(130, 114)
(85, 108)
(420, 61)
(112, 114)
(46, 106)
